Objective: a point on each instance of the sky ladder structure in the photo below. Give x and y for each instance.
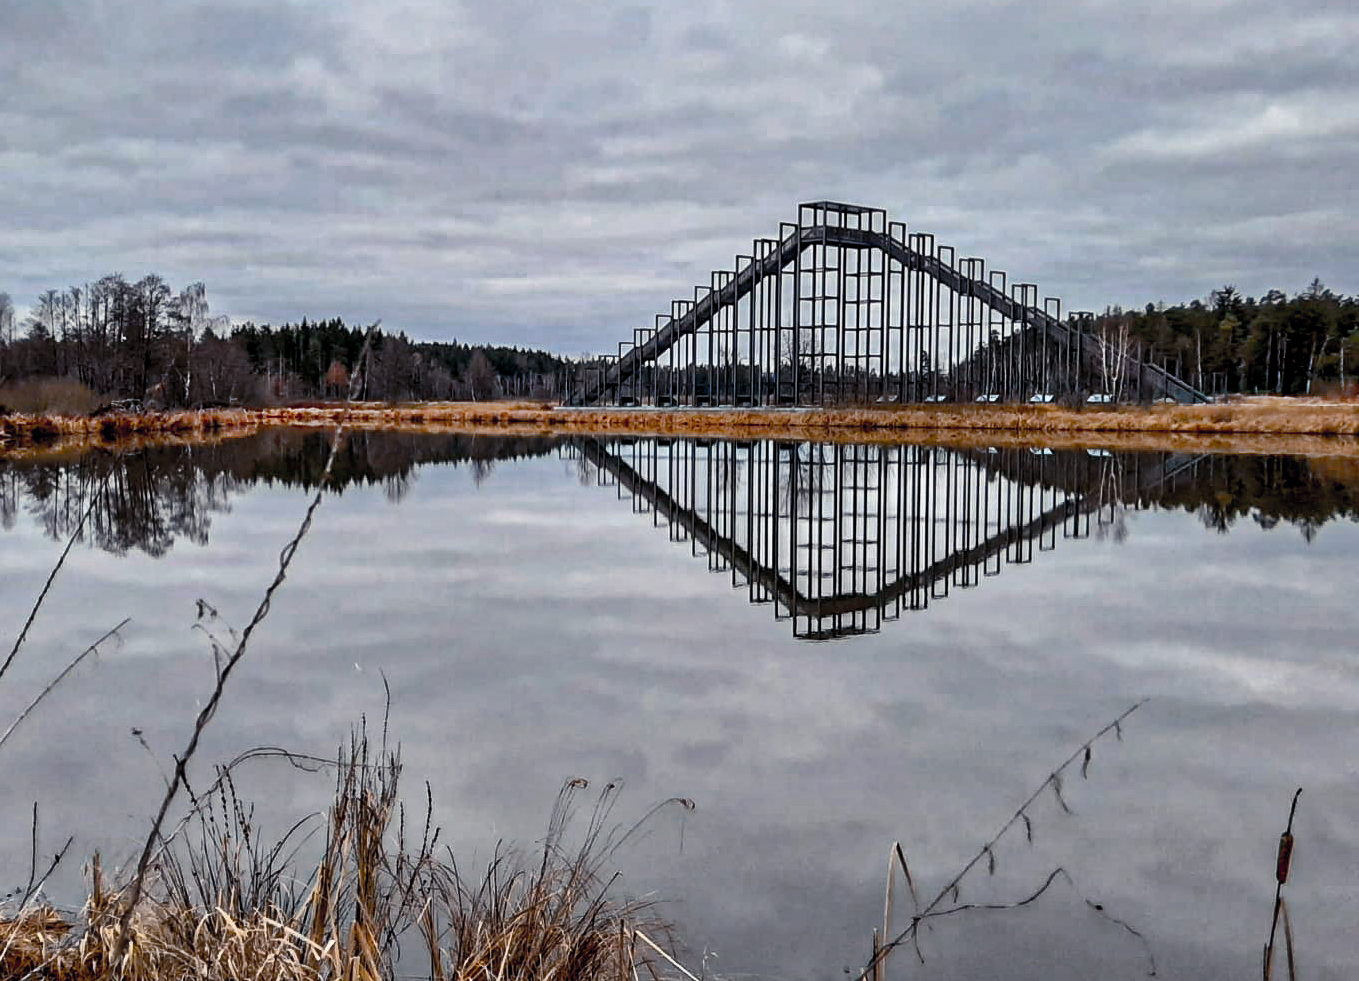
(847, 307)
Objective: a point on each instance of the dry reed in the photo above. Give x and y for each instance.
(226, 904)
(1263, 425)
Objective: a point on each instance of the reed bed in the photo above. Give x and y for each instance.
(227, 905)
(114, 427)
(1258, 425)
(1251, 416)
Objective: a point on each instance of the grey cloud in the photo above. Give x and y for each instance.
(484, 170)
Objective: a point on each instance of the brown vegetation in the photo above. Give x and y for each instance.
(1258, 424)
(48, 397)
(18, 431)
(224, 906)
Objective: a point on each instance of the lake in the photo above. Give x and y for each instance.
(827, 648)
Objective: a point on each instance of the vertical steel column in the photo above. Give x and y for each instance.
(639, 340)
(699, 293)
(743, 261)
(620, 398)
(923, 246)
(946, 256)
(1052, 309)
(1080, 324)
(933, 287)
(769, 324)
(888, 310)
(878, 300)
(797, 316)
(676, 354)
(973, 269)
(787, 230)
(717, 338)
(897, 232)
(1025, 295)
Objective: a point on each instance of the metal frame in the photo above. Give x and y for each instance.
(855, 308)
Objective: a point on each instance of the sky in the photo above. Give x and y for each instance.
(554, 174)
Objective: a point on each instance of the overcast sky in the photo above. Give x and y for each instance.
(555, 173)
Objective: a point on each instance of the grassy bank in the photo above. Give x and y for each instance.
(29, 429)
(1267, 425)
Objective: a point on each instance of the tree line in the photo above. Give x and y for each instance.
(124, 339)
(1278, 344)
(142, 340)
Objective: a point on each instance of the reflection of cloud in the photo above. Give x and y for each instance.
(588, 644)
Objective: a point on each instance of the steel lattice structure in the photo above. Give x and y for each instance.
(846, 306)
(841, 538)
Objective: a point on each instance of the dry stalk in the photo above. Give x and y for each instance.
(937, 908)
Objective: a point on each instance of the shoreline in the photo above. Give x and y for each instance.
(1267, 425)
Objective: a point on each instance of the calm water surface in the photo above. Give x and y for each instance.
(827, 648)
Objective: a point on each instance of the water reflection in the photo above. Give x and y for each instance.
(840, 538)
(530, 592)
(147, 499)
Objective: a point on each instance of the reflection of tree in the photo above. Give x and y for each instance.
(396, 487)
(1219, 490)
(141, 501)
(1268, 490)
(145, 501)
(9, 498)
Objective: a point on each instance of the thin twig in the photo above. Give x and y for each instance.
(950, 890)
(51, 578)
(1016, 904)
(60, 678)
(1151, 955)
(657, 948)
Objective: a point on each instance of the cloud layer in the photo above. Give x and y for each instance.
(553, 174)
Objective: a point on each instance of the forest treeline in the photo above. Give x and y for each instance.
(1233, 343)
(118, 338)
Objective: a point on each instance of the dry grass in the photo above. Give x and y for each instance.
(49, 397)
(20, 429)
(228, 906)
(1262, 425)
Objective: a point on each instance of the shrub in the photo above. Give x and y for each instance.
(49, 397)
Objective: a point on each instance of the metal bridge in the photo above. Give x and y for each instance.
(846, 307)
(841, 538)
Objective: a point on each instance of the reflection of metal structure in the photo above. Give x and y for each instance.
(845, 306)
(843, 537)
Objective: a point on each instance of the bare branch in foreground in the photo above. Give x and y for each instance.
(51, 578)
(93, 648)
(987, 853)
(286, 556)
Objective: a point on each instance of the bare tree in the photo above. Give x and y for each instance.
(1115, 350)
(189, 314)
(6, 333)
(481, 377)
